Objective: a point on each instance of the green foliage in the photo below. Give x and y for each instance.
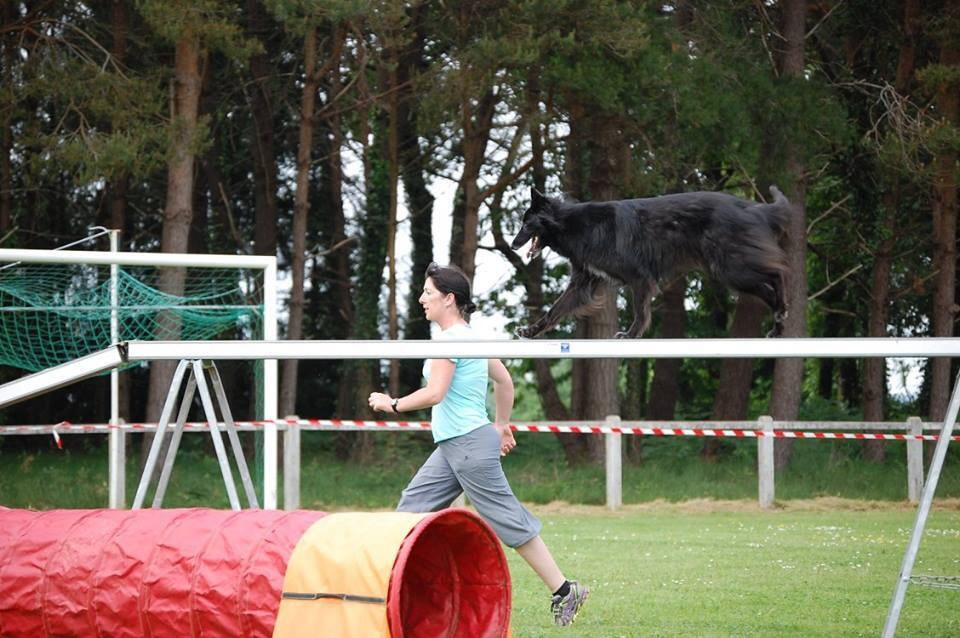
(210, 24)
(292, 11)
(943, 137)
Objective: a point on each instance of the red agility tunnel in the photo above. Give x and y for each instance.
(202, 572)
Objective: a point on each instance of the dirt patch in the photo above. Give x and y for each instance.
(708, 505)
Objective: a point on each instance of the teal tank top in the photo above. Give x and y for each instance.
(464, 407)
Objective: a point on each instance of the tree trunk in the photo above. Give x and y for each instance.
(576, 174)
(874, 370)
(301, 207)
(598, 378)
(393, 175)
(634, 405)
(834, 325)
(220, 196)
(178, 211)
(7, 41)
(6, 126)
(365, 377)
(466, 213)
(262, 146)
(732, 399)
(337, 269)
(118, 185)
(532, 278)
(340, 249)
(945, 224)
(665, 387)
(419, 198)
(788, 373)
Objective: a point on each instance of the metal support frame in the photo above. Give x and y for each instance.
(923, 512)
(196, 372)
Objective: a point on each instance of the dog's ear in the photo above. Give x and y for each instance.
(537, 199)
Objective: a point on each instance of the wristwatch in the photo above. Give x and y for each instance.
(393, 404)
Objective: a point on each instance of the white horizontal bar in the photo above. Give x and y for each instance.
(60, 375)
(548, 349)
(134, 259)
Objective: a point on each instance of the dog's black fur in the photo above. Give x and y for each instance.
(641, 242)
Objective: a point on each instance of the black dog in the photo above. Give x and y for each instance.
(641, 242)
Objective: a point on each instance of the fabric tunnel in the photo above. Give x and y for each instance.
(193, 572)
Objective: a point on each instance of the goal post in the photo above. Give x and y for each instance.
(266, 265)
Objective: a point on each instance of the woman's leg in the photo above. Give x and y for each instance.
(433, 487)
(475, 459)
(535, 552)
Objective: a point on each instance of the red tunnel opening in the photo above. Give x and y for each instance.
(450, 580)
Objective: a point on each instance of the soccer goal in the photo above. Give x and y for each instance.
(57, 306)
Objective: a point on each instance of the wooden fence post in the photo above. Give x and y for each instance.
(765, 462)
(914, 459)
(614, 463)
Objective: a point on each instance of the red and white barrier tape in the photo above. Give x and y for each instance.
(336, 424)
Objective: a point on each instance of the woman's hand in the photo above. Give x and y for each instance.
(507, 442)
(380, 402)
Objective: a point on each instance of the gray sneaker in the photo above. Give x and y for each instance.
(566, 608)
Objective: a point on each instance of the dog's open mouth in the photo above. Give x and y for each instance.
(534, 247)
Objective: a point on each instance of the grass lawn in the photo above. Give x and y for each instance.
(676, 570)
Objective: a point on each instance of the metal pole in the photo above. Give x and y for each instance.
(923, 511)
(159, 434)
(231, 429)
(116, 440)
(185, 404)
(215, 434)
(270, 378)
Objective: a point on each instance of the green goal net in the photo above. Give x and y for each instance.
(54, 313)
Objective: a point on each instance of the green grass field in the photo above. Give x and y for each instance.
(672, 570)
(689, 555)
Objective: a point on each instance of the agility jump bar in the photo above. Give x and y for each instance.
(548, 349)
(132, 351)
(579, 428)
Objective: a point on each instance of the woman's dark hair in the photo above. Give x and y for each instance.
(450, 279)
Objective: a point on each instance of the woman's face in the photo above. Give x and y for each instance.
(432, 300)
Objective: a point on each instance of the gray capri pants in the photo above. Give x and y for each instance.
(471, 463)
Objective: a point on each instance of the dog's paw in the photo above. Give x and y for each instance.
(622, 335)
(523, 333)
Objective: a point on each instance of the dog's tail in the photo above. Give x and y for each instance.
(777, 213)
